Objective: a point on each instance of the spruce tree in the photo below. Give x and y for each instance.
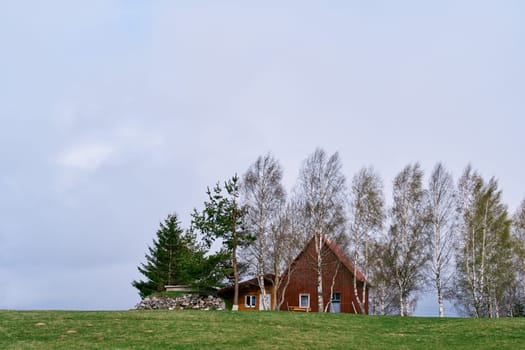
(174, 258)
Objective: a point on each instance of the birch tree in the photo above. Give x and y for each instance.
(518, 233)
(381, 275)
(320, 197)
(408, 236)
(442, 209)
(518, 229)
(483, 264)
(263, 197)
(287, 247)
(365, 223)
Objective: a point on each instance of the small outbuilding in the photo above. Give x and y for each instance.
(250, 295)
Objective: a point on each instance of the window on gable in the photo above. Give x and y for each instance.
(336, 297)
(304, 300)
(250, 300)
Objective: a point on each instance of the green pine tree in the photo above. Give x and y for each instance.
(221, 219)
(174, 258)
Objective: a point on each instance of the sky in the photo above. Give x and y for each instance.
(114, 114)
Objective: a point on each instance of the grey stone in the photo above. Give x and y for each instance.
(187, 301)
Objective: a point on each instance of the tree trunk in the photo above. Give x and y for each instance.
(283, 291)
(360, 300)
(332, 287)
(235, 305)
(382, 301)
(263, 291)
(276, 284)
(401, 303)
(439, 295)
(437, 260)
(319, 247)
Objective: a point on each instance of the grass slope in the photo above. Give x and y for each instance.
(244, 330)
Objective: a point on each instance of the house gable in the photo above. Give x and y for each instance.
(338, 280)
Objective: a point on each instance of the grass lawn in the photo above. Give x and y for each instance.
(255, 330)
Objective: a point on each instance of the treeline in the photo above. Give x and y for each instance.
(454, 237)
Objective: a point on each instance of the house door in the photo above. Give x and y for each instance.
(268, 298)
(335, 305)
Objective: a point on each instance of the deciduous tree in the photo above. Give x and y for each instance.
(518, 233)
(263, 197)
(442, 209)
(385, 299)
(407, 239)
(483, 263)
(365, 223)
(283, 254)
(320, 198)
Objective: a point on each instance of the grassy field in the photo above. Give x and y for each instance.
(245, 330)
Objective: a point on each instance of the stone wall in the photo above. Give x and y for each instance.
(183, 302)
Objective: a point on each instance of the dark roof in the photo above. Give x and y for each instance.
(254, 282)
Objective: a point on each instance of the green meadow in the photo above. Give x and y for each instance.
(250, 330)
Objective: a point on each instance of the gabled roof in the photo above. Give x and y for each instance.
(340, 255)
(270, 278)
(254, 282)
(349, 264)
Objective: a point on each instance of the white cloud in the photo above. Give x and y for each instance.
(87, 156)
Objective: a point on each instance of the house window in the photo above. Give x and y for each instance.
(250, 300)
(335, 305)
(336, 298)
(304, 300)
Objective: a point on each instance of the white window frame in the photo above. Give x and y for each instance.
(250, 301)
(301, 297)
(336, 300)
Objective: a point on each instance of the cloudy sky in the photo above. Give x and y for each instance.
(114, 114)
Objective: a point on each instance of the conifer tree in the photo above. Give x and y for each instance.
(174, 258)
(222, 219)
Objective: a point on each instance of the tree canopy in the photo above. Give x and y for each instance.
(174, 258)
(222, 218)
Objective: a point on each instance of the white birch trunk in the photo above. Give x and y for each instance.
(360, 299)
(264, 301)
(401, 303)
(382, 305)
(332, 287)
(438, 260)
(439, 289)
(319, 248)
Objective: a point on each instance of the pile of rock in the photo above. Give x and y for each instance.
(183, 302)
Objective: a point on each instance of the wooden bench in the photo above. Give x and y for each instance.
(298, 308)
